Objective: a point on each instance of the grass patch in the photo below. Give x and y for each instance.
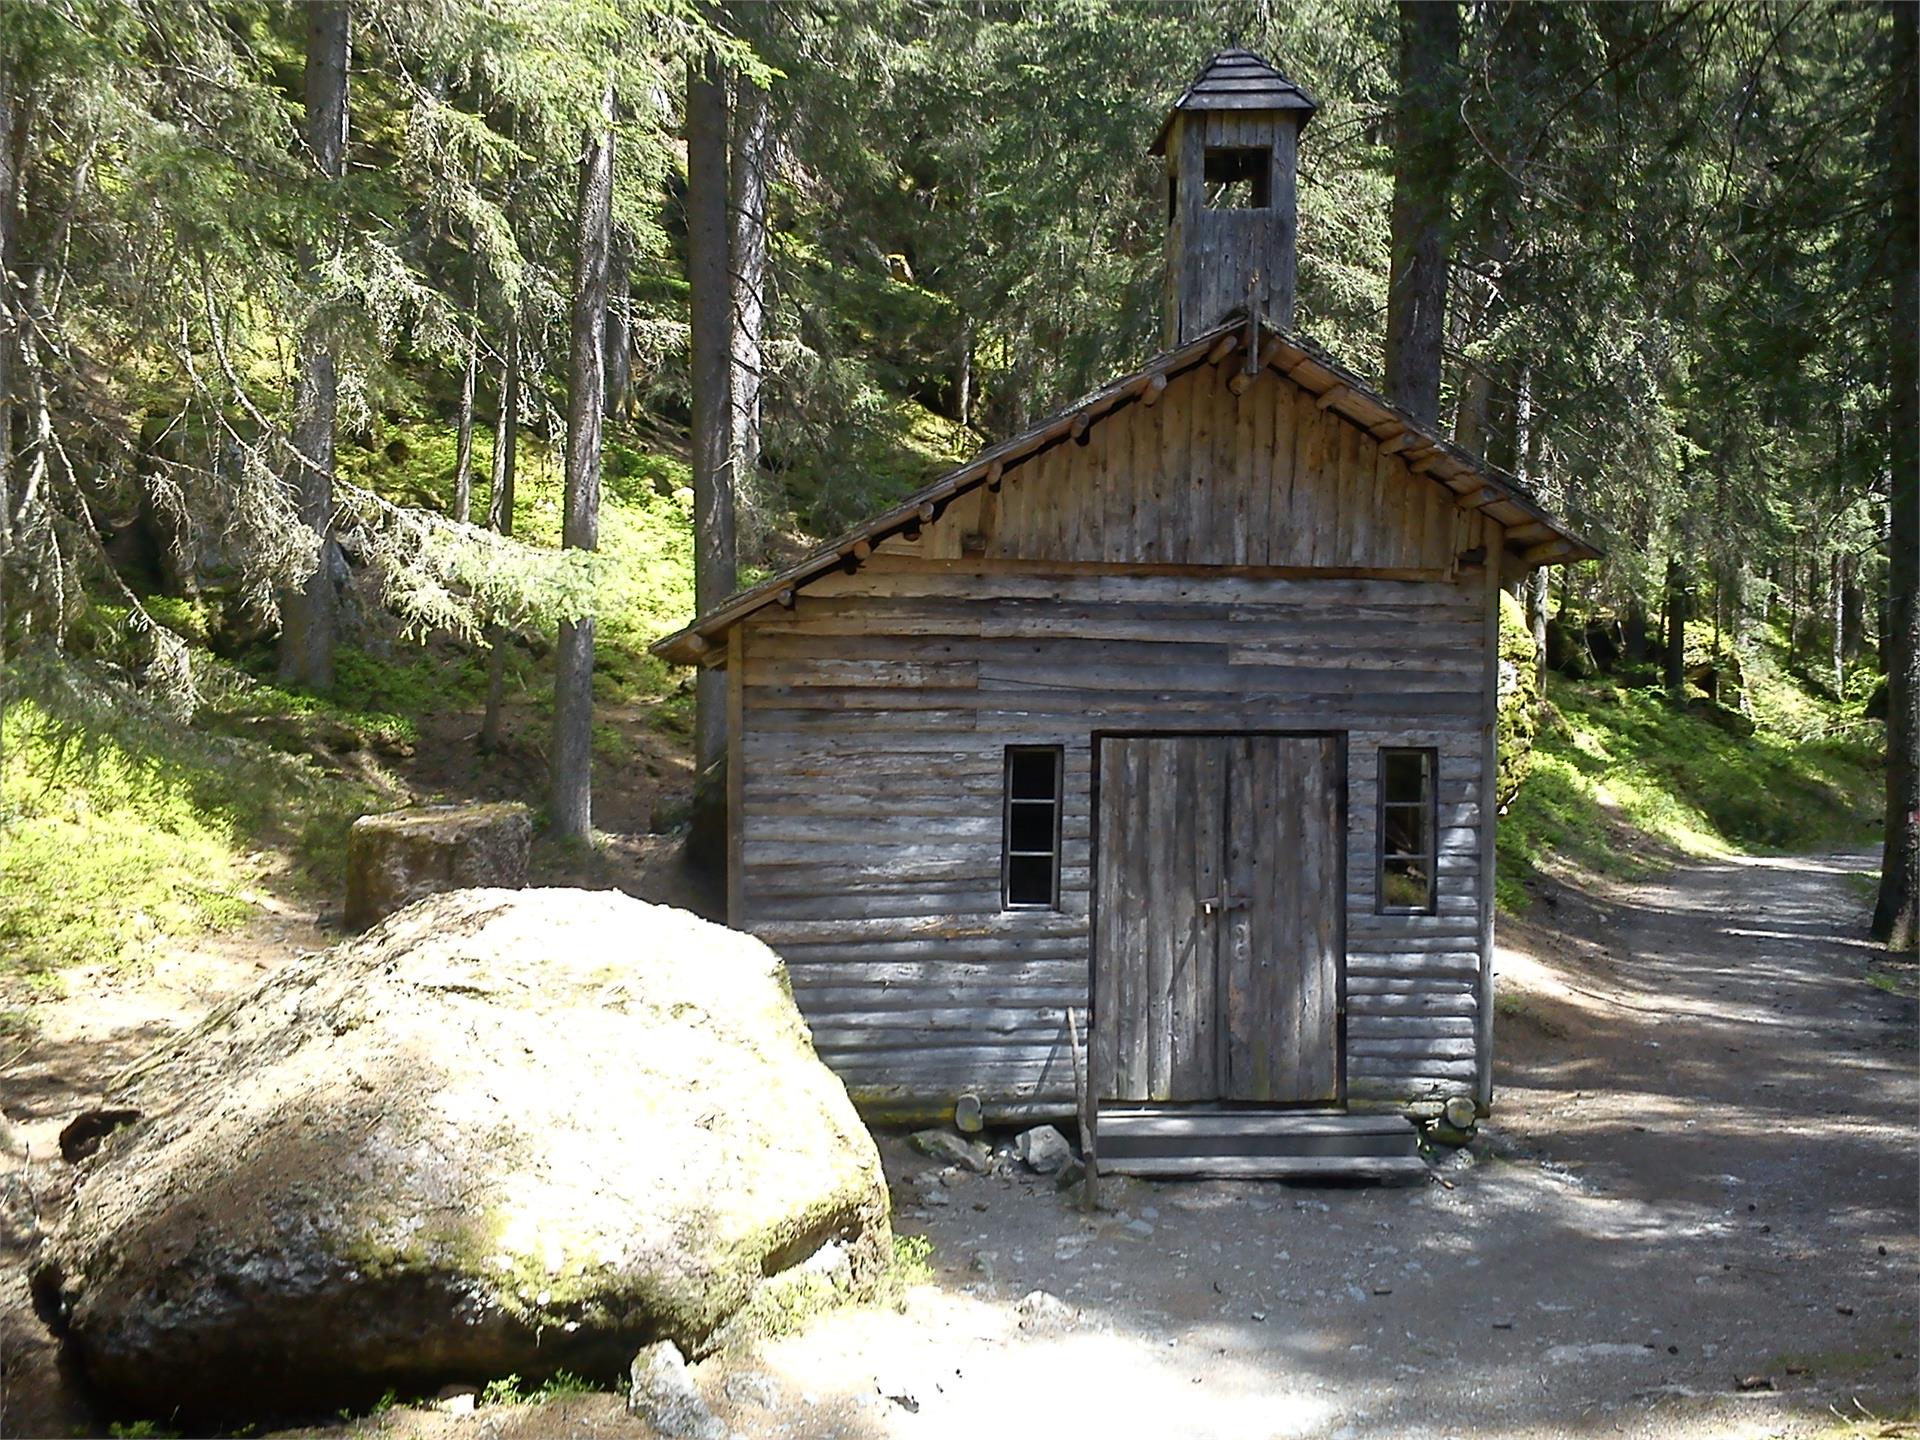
(120, 827)
(1622, 783)
(912, 1261)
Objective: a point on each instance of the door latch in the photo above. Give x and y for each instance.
(1219, 904)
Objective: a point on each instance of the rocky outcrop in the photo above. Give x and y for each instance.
(407, 855)
(506, 1132)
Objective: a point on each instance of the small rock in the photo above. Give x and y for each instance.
(1044, 1149)
(952, 1149)
(899, 1392)
(929, 1190)
(1843, 1309)
(1142, 1228)
(662, 1393)
(456, 1399)
(1260, 1316)
(1754, 1382)
(1503, 1324)
(749, 1387)
(1040, 1311)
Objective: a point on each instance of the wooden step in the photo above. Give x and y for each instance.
(1196, 1122)
(1173, 1136)
(1379, 1169)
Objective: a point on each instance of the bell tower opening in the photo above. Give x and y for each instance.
(1231, 143)
(1239, 177)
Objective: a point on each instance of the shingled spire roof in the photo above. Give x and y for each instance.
(1238, 80)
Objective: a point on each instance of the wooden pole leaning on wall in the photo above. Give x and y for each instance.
(1083, 1108)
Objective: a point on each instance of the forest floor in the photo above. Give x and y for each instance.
(1696, 1212)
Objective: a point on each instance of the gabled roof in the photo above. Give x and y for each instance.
(1534, 536)
(1238, 80)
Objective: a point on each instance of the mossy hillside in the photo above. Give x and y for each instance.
(1622, 782)
(643, 577)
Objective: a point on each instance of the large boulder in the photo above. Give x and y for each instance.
(406, 855)
(507, 1132)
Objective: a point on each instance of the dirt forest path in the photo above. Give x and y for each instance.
(1695, 1212)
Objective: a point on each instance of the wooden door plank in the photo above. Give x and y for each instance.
(1161, 840)
(1243, 877)
(1320, 1027)
(1196, 1075)
(1110, 921)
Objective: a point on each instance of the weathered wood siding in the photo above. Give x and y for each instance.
(1207, 477)
(875, 716)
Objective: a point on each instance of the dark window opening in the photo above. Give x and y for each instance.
(1030, 863)
(1407, 832)
(1238, 179)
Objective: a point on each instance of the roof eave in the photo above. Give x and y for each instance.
(695, 643)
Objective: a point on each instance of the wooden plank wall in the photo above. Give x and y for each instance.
(874, 717)
(1207, 477)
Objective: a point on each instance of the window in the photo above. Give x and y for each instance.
(1406, 832)
(1237, 179)
(1030, 865)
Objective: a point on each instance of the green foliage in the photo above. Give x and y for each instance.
(1621, 783)
(141, 1430)
(512, 1390)
(1519, 713)
(912, 1260)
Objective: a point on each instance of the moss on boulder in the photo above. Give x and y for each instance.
(505, 1132)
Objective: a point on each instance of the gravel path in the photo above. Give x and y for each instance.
(1702, 1172)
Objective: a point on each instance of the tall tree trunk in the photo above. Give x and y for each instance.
(963, 375)
(463, 444)
(1674, 657)
(506, 441)
(1896, 916)
(1853, 611)
(1420, 220)
(570, 809)
(9, 189)
(714, 562)
(308, 619)
(619, 326)
(1836, 606)
(747, 180)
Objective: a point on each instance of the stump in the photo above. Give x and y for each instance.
(407, 855)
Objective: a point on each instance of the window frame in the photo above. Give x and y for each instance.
(1057, 754)
(1430, 755)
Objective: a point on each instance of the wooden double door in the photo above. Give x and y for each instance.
(1219, 919)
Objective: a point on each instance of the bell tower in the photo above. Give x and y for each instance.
(1231, 144)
